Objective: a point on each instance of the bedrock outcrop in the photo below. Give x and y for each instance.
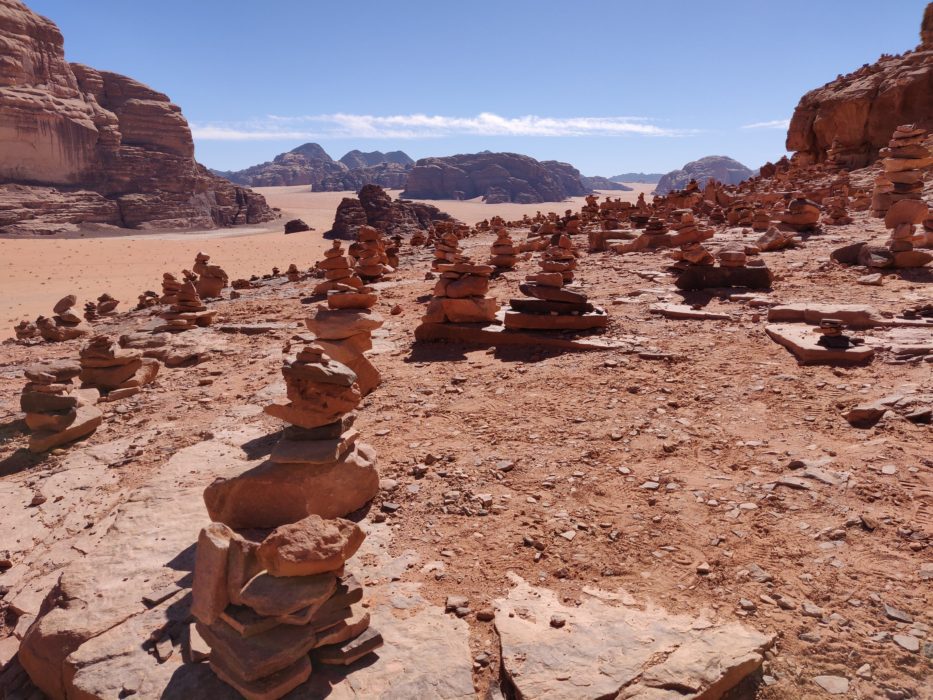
(100, 140)
(860, 110)
(720, 168)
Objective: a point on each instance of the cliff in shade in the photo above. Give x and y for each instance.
(309, 164)
(82, 146)
(722, 168)
(497, 177)
(860, 110)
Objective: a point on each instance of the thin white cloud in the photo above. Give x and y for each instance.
(773, 124)
(416, 126)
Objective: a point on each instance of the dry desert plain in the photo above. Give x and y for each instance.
(37, 272)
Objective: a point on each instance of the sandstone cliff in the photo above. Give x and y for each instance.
(497, 177)
(860, 110)
(309, 164)
(722, 168)
(84, 146)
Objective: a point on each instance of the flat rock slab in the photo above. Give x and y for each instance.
(494, 335)
(603, 650)
(515, 320)
(682, 311)
(706, 277)
(254, 328)
(801, 341)
(853, 315)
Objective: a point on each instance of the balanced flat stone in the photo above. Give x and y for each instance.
(602, 649)
(709, 277)
(282, 595)
(494, 334)
(540, 306)
(261, 654)
(852, 315)
(547, 293)
(561, 322)
(87, 419)
(313, 451)
(684, 312)
(269, 687)
(350, 651)
(802, 343)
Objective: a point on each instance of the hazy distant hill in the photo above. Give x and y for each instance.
(648, 178)
(722, 168)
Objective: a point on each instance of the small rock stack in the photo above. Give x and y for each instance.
(801, 214)
(344, 327)
(65, 324)
(551, 307)
(116, 372)
(106, 305)
(761, 219)
(170, 288)
(147, 300)
(447, 250)
(187, 311)
(293, 273)
(685, 230)
(655, 227)
(460, 293)
(370, 253)
(732, 256)
(693, 254)
(905, 160)
(211, 278)
(271, 595)
(837, 212)
(56, 411)
(338, 270)
(504, 254)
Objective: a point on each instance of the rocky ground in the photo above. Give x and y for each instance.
(696, 469)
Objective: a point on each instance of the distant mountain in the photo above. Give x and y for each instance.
(597, 182)
(359, 159)
(497, 177)
(310, 164)
(721, 168)
(647, 178)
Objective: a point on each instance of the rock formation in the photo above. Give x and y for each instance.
(187, 310)
(80, 146)
(374, 207)
(56, 411)
(64, 324)
(498, 177)
(720, 168)
(860, 110)
(270, 586)
(356, 160)
(211, 278)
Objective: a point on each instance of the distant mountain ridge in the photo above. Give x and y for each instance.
(310, 164)
(722, 168)
(647, 178)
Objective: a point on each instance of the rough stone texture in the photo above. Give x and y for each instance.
(114, 150)
(801, 341)
(614, 651)
(309, 164)
(721, 168)
(374, 207)
(510, 176)
(861, 109)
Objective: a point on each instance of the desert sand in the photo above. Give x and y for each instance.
(37, 272)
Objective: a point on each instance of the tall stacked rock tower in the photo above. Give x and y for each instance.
(271, 594)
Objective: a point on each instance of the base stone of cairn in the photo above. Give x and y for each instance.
(65, 324)
(460, 293)
(733, 271)
(57, 412)
(116, 372)
(211, 278)
(337, 268)
(343, 329)
(503, 253)
(271, 593)
(372, 262)
(187, 311)
(551, 306)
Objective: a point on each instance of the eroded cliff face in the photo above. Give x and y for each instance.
(73, 128)
(861, 110)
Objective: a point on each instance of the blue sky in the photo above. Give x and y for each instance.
(608, 86)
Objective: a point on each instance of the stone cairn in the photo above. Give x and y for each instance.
(293, 273)
(57, 412)
(211, 278)
(270, 591)
(837, 211)
(761, 219)
(105, 305)
(64, 324)
(187, 311)
(832, 336)
(372, 262)
(503, 253)
(447, 250)
(343, 328)
(801, 214)
(114, 371)
(904, 162)
(551, 306)
(460, 292)
(147, 300)
(171, 286)
(337, 268)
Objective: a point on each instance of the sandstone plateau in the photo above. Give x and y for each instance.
(81, 146)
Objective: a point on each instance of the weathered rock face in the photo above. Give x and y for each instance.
(722, 168)
(310, 164)
(508, 177)
(90, 133)
(860, 110)
(375, 208)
